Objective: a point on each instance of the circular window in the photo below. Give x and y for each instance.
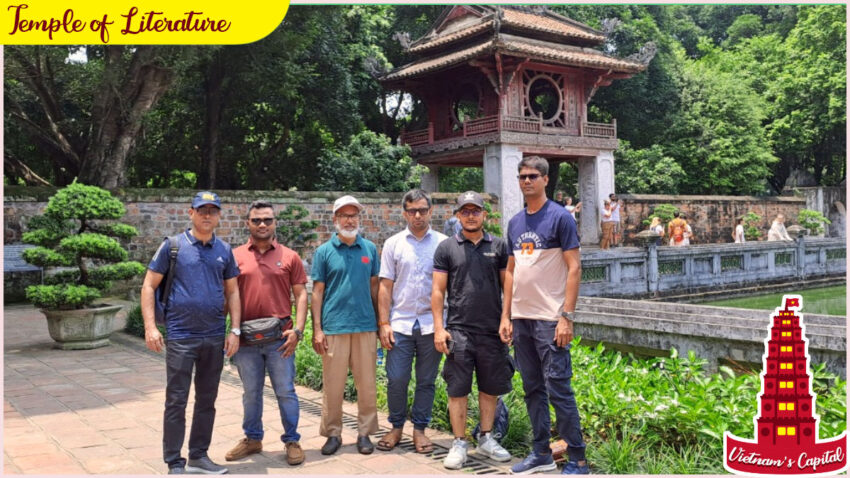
(771, 366)
(765, 432)
(805, 407)
(466, 104)
(770, 385)
(807, 432)
(768, 407)
(544, 98)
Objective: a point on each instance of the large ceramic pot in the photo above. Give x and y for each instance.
(81, 329)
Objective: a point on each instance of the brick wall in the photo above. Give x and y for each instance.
(711, 217)
(160, 213)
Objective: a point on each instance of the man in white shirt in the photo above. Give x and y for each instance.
(406, 325)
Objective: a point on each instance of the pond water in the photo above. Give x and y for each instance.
(824, 300)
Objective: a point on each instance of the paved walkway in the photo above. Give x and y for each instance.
(100, 411)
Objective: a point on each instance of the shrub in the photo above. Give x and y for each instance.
(813, 221)
(751, 229)
(663, 212)
(74, 232)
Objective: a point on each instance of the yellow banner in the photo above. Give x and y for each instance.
(207, 22)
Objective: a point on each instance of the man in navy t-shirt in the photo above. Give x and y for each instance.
(204, 275)
(541, 289)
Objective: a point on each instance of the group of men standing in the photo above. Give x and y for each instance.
(518, 291)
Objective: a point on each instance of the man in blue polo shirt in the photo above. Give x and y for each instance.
(345, 299)
(204, 275)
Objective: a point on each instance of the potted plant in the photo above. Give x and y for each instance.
(813, 221)
(77, 235)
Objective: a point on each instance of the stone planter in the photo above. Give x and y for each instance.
(81, 329)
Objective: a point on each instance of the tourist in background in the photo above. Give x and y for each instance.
(615, 218)
(559, 198)
(568, 205)
(656, 227)
(777, 230)
(676, 230)
(738, 233)
(607, 225)
(689, 233)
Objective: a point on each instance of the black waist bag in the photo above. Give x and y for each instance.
(262, 331)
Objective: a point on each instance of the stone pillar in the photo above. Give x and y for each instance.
(500, 171)
(596, 182)
(801, 256)
(430, 181)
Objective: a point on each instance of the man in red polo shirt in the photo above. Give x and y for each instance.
(269, 271)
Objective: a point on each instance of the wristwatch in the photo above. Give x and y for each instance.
(299, 333)
(236, 331)
(571, 316)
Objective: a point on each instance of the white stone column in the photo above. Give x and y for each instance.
(500, 171)
(596, 182)
(430, 180)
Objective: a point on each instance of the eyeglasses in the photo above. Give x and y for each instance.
(265, 220)
(422, 211)
(208, 211)
(348, 216)
(470, 212)
(530, 177)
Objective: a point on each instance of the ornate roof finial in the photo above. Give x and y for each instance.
(403, 38)
(374, 67)
(645, 54)
(609, 25)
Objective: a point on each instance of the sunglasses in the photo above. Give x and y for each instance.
(471, 212)
(422, 211)
(265, 220)
(530, 177)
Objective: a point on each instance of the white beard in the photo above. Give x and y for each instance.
(346, 233)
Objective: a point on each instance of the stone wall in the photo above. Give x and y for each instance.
(711, 217)
(159, 213)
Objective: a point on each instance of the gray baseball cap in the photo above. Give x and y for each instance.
(469, 197)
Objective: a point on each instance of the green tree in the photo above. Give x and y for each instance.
(718, 138)
(647, 170)
(369, 162)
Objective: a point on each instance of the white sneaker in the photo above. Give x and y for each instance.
(457, 455)
(488, 446)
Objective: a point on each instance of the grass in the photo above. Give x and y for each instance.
(826, 300)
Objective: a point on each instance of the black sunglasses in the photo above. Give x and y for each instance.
(531, 177)
(265, 220)
(422, 211)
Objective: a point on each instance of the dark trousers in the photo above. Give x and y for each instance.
(181, 356)
(546, 371)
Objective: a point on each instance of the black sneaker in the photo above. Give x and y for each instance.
(176, 470)
(204, 466)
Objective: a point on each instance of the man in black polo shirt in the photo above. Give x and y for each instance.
(471, 264)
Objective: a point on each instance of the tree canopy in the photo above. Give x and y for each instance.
(738, 99)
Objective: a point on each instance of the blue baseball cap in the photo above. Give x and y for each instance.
(206, 197)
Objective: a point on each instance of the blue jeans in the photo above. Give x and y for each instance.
(399, 364)
(204, 355)
(546, 371)
(252, 361)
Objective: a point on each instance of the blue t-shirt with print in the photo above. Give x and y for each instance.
(347, 272)
(196, 302)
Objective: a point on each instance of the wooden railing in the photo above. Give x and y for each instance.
(599, 130)
(418, 137)
(490, 124)
(522, 124)
(487, 124)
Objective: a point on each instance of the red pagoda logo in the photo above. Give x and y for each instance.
(786, 427)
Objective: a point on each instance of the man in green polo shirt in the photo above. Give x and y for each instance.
(345, 300)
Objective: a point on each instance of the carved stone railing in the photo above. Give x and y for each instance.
(666, 271)
(599, 130)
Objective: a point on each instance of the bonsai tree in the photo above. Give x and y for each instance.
(294, 229)
(813, 221)
(76, 231)
(751, 223)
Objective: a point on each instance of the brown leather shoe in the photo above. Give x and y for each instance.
(294, 453)
(245, 447)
